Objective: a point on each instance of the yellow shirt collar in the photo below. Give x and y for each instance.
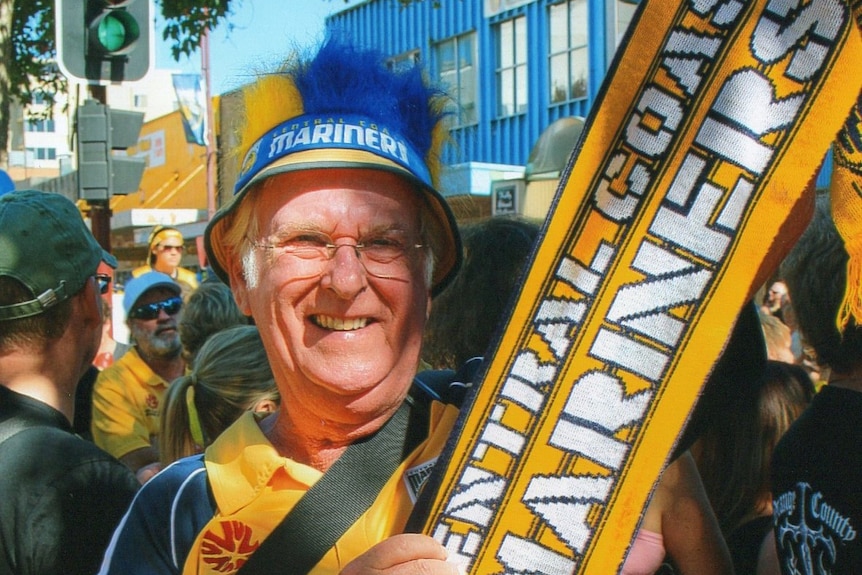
(241, 462)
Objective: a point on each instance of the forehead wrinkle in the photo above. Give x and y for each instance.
(396, 199)
(365, 225)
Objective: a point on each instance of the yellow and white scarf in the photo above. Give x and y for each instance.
(693, 180)
(846, 201)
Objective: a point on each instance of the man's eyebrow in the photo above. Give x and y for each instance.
(294, 227)
(394, 227)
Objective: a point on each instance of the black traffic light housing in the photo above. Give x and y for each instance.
(100, 131)
(105, 41)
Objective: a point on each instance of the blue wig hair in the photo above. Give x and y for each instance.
(342, 77)
(366, 86)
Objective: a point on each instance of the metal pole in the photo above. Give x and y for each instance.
(210, 139)
(100, 210)
(100, 217)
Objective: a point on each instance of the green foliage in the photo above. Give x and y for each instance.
(33, 70)
(33, 73)
(186, 21)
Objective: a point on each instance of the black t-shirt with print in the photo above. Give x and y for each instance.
(817, 487)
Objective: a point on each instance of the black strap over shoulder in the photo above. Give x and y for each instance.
(334, 503)
(353, 482)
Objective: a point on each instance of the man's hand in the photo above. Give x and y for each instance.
(406, 554)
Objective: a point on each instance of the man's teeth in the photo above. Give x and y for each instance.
(338, 324)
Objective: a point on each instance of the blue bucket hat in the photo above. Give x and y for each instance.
(145, 282)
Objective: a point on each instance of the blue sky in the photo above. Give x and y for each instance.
(256, 37)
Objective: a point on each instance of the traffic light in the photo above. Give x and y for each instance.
(101, 130)
(105, 41)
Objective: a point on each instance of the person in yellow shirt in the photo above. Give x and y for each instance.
(128, 395)
(334, 245)
(165, 249)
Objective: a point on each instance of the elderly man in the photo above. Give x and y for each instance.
(128, 395)
(62, 495)
(334, 243)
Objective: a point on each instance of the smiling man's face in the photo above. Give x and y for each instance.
(344, 341)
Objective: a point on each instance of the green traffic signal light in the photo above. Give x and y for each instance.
(105, 41)
(116, 31)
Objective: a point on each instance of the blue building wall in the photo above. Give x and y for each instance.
(386, 25)
(421, 26)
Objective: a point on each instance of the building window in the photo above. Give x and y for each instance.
(512, 67)
(140, 101)
(625, 12)
(456, 63)
(569, 57)
(403, 61)
(42, 125)
(43, 153)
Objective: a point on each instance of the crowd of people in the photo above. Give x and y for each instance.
(247, 410)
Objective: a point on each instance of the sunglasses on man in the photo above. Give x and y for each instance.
(170, 306)
(103, 281)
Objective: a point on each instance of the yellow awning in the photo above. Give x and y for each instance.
(175, 176)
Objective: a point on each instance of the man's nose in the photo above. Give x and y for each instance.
(345, 273)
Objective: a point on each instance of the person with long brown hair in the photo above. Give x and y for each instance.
(231, 376)
(734, 456)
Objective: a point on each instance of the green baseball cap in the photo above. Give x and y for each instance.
(45, 245)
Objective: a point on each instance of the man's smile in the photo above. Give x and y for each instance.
(339, 324)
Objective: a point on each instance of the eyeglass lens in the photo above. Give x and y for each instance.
(381, 257)
(104, 283)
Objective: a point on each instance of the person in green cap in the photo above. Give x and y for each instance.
(62, 495)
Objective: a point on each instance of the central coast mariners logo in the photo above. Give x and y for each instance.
(250, 159)
(227, 545)
(810, 531)
(414, 478)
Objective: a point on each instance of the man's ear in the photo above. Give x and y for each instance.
(238, 286)
(91, 303)
(264, 406)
